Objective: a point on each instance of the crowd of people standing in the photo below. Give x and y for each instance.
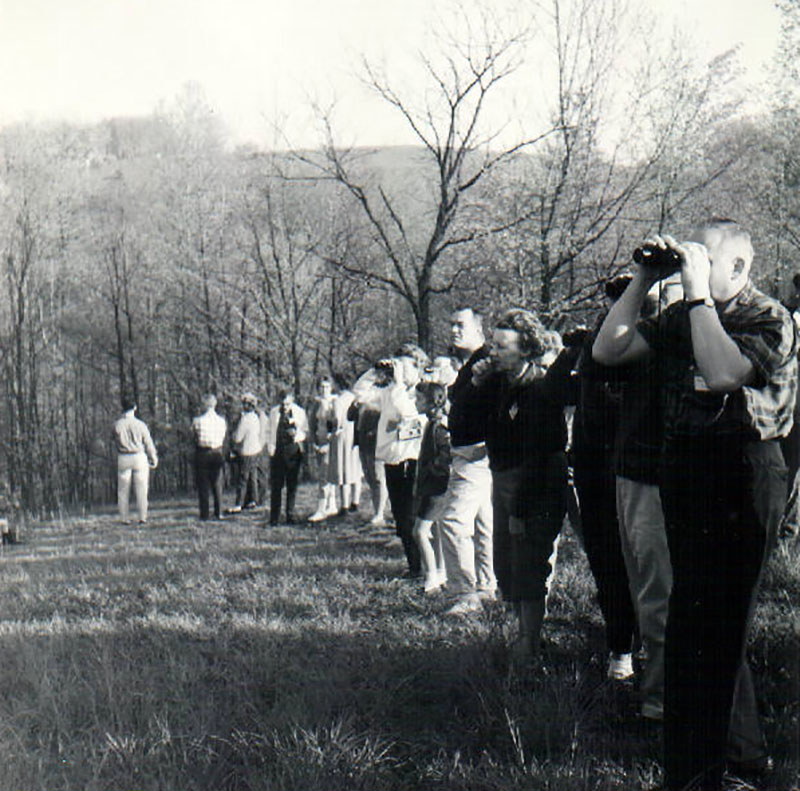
(658, 433)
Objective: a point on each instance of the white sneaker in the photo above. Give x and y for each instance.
(317, 516)
(620, 666)
(432, 584)
(377, 521)
(465, 605)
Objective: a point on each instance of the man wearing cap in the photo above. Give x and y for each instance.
(247, 443)
(208, 430)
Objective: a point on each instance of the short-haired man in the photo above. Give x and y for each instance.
(208, 430)
(136, 456)
(728, 372)
(467, 523)
(288, 429)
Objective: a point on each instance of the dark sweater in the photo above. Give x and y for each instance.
(469, 405)
(526, 427)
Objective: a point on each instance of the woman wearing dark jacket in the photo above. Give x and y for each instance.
(430, 484)
(526, 439)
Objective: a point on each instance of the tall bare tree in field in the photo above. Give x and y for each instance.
(417, 238)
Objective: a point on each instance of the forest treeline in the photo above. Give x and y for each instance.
(149, 256)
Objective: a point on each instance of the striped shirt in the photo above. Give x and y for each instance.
(764, 332)
(209, 430)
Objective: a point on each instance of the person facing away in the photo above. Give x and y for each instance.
(286, 437)
(209, 430)
(728, 375)
(248, 444)
(430, 482)
(136, 456)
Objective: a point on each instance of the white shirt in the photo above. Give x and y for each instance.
(209, 430)
(400, 426)
(248, 434)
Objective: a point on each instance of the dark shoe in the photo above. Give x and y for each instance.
(752, 770)
(273, 523)
(354, 506)
(342, 512)
(249, 506)
(290, 519)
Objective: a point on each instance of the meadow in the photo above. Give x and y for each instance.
(189, 656)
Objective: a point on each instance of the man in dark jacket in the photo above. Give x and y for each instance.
(467, 524)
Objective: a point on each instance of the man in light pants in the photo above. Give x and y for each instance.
(467, 523)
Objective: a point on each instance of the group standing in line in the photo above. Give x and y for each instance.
(669, 417)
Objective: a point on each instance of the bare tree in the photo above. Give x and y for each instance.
(415, 238)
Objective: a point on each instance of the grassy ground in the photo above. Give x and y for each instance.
(187, 655)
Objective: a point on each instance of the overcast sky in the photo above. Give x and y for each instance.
(85, 60)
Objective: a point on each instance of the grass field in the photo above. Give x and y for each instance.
(187, 655)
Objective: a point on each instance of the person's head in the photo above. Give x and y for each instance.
(286, 398)
(128, 403)
(796, 281)
(466, 329)
(431, 398)
(442, 371)
(249, 402)
(412, 361)
(552, 348)
(730, 252)
(324, 386)
(208, 401)
(518, 338)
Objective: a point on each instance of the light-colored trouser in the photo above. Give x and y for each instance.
(467, 524)
(132, 466)
(428, 535)
(375, 475)
(644, 547)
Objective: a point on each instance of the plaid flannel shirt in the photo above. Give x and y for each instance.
(765, 333)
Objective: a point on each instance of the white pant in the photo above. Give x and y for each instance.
(467, 524)
(132, 466)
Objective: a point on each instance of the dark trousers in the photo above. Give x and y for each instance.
(284, 470)
(722, 501)
(522, 559)
(247, 485)
(597, 495)
(208, 467)
(400, 484)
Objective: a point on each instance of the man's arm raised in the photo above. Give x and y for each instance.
(619, 342)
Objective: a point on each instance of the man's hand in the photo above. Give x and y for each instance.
(696, 270)
(650, 273)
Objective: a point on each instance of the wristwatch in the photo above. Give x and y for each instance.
(693, 303)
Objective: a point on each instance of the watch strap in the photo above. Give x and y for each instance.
(693, 303)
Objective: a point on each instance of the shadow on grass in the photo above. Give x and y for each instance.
(233, 657)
